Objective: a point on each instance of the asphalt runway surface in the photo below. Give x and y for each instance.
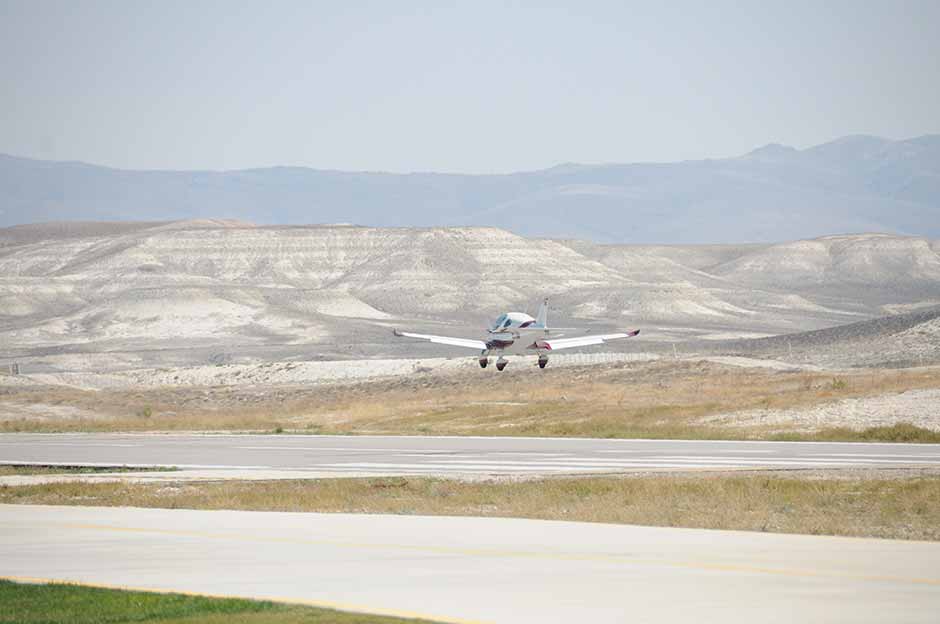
(303, 455)
(478, 569)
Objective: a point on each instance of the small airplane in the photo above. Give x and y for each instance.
(508, 329)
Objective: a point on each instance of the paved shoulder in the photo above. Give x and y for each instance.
(479, 569)
(288, 455)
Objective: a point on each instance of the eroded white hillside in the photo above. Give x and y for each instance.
(868, 260)
(221, 288)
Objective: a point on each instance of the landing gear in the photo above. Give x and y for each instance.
(543, 362)
(484, 361)
(501, 363)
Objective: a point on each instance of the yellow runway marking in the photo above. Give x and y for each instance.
(479, 552)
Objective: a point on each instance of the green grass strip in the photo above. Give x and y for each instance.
(62, 603)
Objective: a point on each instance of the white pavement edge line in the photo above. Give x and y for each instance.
(84, 464)
(212, 434)
(629, 461)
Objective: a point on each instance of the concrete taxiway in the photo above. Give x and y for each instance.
(294, 456)
(479, 569)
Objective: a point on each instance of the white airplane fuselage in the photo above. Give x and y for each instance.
(515, 333)
(506, 332)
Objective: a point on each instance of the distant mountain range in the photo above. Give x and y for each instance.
(775, 193)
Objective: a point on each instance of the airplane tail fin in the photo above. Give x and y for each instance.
(541, 319)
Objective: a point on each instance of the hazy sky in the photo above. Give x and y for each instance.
(466, 87)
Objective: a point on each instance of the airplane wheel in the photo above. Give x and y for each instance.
(543, 363)
(483, 363)
(500, 367)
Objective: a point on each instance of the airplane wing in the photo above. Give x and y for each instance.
(581, 341)
(447, 340)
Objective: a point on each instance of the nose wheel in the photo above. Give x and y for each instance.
(501, 363)
(543, 362)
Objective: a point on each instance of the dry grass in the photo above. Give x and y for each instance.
(646, 400)
(872, 507)
(900, 432)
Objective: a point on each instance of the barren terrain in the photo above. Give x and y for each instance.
(692, 398)
(227, 325)
(106, 298)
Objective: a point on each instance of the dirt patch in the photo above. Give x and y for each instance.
(917, 407)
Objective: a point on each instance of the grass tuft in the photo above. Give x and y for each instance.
(900, 432)
(29, 604)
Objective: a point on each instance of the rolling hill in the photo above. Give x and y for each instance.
(198, 291)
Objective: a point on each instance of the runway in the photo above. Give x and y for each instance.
(284, 456)
(479, 569)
